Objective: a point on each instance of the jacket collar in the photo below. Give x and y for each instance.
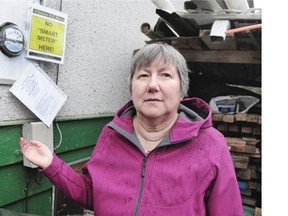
(194, 114)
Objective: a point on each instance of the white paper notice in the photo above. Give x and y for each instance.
(39, 93)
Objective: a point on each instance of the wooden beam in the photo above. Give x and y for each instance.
(241, 117)
(251, 140)
(252, 118)
(240, 162)
(244, 174)
(218, 117)
(222, 56)
(251, 201)
(235, 141)
(258, 211)
(228, 118)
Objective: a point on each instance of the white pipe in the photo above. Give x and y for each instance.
(165, 5)
(237, 4)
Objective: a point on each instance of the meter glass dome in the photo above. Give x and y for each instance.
(11, 40)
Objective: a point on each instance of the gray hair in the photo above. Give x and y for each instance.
(147, 54)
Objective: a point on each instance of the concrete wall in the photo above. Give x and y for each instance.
(101, 36)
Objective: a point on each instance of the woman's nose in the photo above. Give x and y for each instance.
(153, 84)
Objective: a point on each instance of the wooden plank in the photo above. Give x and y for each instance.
(251, 140)
(244, 174)
(235, 141)
(228, 118)
(241, 117)
(246, 130)
(247, 174)
(253, 172)
(247, 192)
(250, 149)
(257, 212)
(242, 149)
(257, 130)
(256, 155)
(188, 43)
(248, 210)
(222, 127)
(217, 117)
(233, 128)
(222, 56)
(240, 161)
(251, 201)
(252, 184)
(257, 151)
(259, 120)
(192, 43)
(252, 118)
(235, 148)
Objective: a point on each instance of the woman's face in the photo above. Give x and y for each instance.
(156, 91)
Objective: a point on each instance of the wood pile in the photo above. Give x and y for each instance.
(243, 135)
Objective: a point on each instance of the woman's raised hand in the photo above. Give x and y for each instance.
(36, 152)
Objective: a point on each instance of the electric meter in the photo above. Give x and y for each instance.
(11, 39)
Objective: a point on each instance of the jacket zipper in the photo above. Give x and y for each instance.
(141, 186)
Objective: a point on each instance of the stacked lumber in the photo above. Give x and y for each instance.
(243, 136)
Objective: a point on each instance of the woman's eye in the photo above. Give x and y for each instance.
(166, 75)
(142, 75)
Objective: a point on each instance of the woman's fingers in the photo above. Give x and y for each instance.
(23, 144)
(36, 152)
(22, 141)
(35, 143)
(28, 147)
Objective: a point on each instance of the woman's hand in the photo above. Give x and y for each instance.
(36, 152)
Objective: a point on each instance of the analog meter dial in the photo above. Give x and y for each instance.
(11, 40)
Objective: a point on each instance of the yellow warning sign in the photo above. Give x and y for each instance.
(47, 35)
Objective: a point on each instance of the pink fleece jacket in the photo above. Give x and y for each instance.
(190, 173)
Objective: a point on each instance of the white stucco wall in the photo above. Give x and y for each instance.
(101, 36)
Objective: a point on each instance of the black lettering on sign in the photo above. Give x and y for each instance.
(50, 24)
(48, 32)
(46, 39)
(46, 48)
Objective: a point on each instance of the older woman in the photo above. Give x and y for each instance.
(159, 155)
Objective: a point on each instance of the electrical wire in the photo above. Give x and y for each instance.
(60, 137)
